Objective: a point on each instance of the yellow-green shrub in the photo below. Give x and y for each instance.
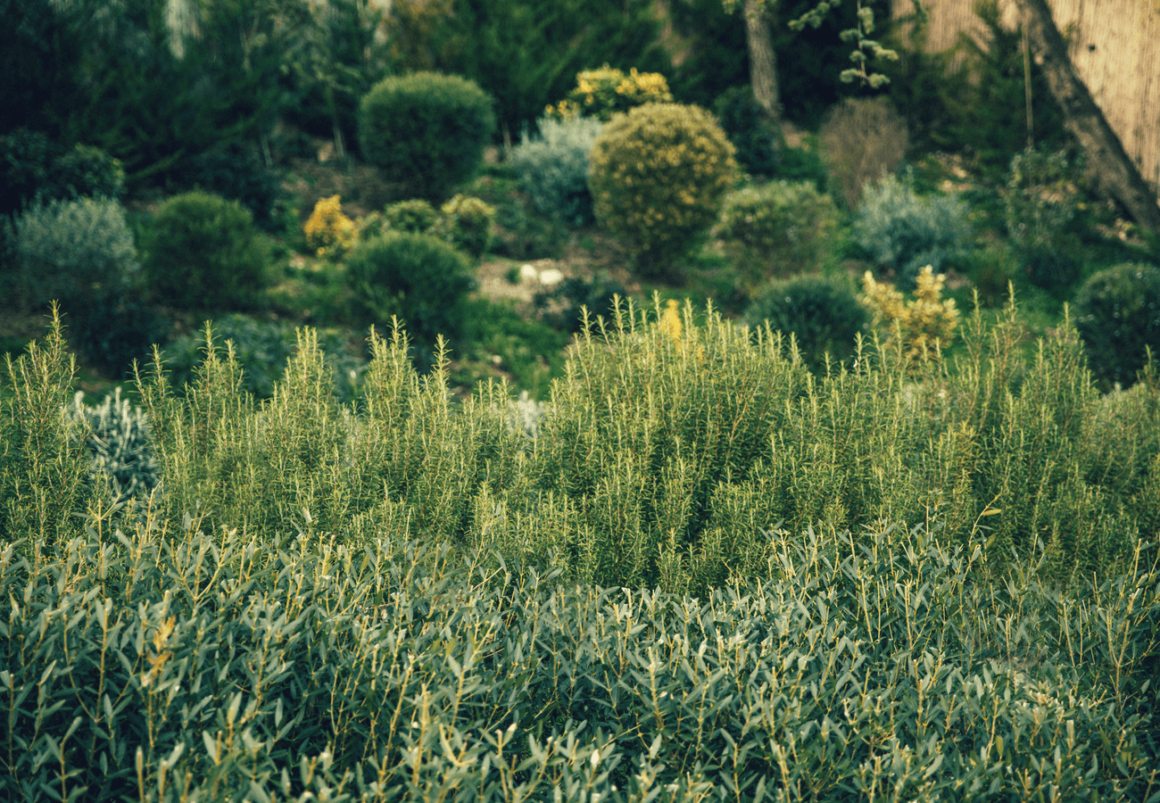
(603, 92)
(925, 324)
(657, 177)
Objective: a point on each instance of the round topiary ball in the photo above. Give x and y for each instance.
(822, 313)
(203, 252)
(657, 175)
(417, 277)
(1118, 317)
(426, 130)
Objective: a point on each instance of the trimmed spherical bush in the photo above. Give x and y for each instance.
(203, 252)
(465, 222)
(822, 313)
(417, 277)
(776, 230)
(1117, 313)
(657, 176)
(426, 130)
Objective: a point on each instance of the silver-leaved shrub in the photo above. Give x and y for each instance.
(553, 167)
(905, 231)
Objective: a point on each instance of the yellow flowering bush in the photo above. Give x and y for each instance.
(328, 230)
(657, 176)
(926, 323)
(603, 92)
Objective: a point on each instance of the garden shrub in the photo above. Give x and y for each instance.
(563, 305)
(903, 231)
(203, 252)
(426, 130)
(262, 350)
(1117, 313)
(86, 171)
(328, 230)
(925, 324)
(657, 177)
(237, 172)
(749, 128)
(33, 167)
(1040, 203)
(118, 443)
(415, 216)
(530, 351)
(419, 278)
(603, 92)
(465, 223)
(26, 159)
(79, 252)
(776, 230)
(370, 226)
(113, 334)
(802, 164)
(862, 140)
(822, 313)
(553, 167)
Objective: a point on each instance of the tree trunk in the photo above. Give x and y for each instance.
(762, 63)
(1108, 164)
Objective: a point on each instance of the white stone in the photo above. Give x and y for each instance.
(551, 277)
(528, 273)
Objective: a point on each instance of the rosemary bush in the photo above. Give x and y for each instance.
(306, 612)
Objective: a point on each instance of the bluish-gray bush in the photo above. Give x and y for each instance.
(905, 231)
(118, 444)
(553, 167)
(78, 252)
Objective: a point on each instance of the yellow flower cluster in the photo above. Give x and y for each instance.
(670, 321)
(328, 230)
(926, 323)
(605, 91)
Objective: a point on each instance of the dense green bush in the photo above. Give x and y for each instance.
(119, 444)
(112, 335)
(748, 127)
(465, 223)
(203, 252)
(426, 130)
(520, 231)
(418, 278)
(802, 164)
(236, 172)
(33, 167)
(563, 305)
(1041, 201)
(1117, 313)
(529, 351)
(553, 167)
(262, 349)
(415, 216)
(822, 313)
(905, 232)
(776, 230)
(657, 177)
(78, 252)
